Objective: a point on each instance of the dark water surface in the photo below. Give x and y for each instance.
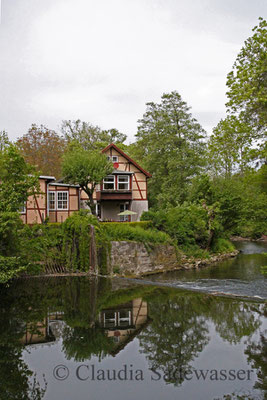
(77, 338)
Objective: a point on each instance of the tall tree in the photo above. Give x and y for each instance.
(89, 136)
(43, 148)
(85, 168)
(17, 180)
(247, 82)
(4, 141)
(230, 146)
(170, 143)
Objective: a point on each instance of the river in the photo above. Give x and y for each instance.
(186, 335)
(239, 276)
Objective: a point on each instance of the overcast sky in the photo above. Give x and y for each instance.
(100, 61)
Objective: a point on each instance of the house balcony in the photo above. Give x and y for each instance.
(111, 194)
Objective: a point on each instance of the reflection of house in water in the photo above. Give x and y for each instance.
(124, 322)
(42, 331)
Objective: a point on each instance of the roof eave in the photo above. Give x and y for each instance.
(128, 158)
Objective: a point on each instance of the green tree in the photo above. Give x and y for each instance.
(247, 82)
(170, 144)
(87, 169)
(4, 141)
(89, 136)
(17, 180)
(230, 146)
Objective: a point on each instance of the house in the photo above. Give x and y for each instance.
(55, 200)
(124, 322)
(124, 189)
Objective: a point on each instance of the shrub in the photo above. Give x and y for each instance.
(10, 267)
(10, 233)
(222, 246)
(123, 231)
(77, 239)
(135, 224)
(187, 223)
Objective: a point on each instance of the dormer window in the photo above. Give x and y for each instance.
(113, 158)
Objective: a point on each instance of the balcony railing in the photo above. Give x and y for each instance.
(114, 194)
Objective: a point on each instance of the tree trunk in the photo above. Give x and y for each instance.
(92, 204)
(90, 201)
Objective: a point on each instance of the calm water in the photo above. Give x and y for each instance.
(80, 338)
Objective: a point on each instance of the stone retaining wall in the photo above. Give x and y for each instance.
(137, 259)
(134, 258)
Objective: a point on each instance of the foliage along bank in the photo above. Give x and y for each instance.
(67, 247)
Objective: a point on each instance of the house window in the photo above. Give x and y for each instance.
(109, 182)
(113, 158)
(52, 200)
(124, 207)
(123, 182)
(62, 200)
(124, 318)
(110, 319)
(22, 209)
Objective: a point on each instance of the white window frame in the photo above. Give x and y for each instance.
(108, 182)
(55, 200)
(63, 192)
(128, 181)
(113, 158)
(125, 206)
(23, 208)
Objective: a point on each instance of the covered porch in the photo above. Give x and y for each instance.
(108, 210)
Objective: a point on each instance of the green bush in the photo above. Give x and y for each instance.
(43, 243)
(10, 233)
(76, 240)
(10, 267)
(135, 224)
(122, 231)
(222, 246)
(187, 223)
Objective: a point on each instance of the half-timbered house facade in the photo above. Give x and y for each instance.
(56, 201)
(124, 189)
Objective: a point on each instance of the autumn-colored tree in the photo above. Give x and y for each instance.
(43, 148)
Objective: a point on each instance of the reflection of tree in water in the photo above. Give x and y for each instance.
(257, 357)
(81, 337)
(175, 337)
(177, 334)
(234, 319)
(239, 396)
(179, 330)
(83, 343)
(17, 381)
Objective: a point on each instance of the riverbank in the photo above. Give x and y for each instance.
(83, 245)
(129, 259)
(263, 238)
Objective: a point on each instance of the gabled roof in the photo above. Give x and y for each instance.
(112, 145)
